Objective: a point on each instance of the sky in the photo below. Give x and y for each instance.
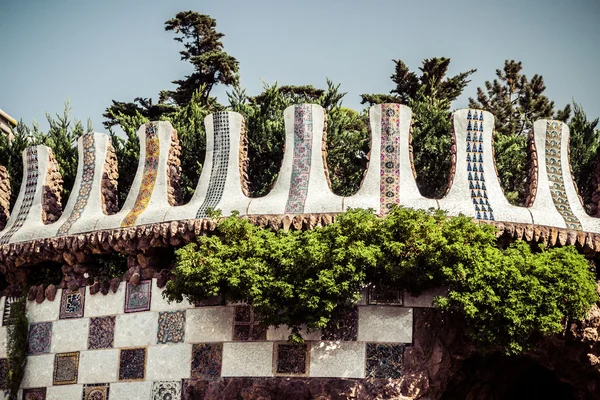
(89, 52)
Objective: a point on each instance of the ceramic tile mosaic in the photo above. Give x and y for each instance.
(66, 367)
(30, 186)
(171, 327)
(384, 360)
(148, 176)
(166, 390)
(342, 326)
(555, 176)
(3, 372)
(303, 126)
(132, 364)
(246, 327)
(6, 320)
(291, 359)
(34, 394)
(89, 159)
(40, 335)
(207, 359)
(137, 298)
(102, 333)
(71, 303)
(95, 391)
(220, 163)
(476, 176)
(390, 158)
(382, 294)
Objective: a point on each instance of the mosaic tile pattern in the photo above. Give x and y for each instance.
(3, 372)
(166, 390)
(148, 177)
(66, 366)
(89, 158)
(102, 333)
(246, 326)
(40, 335)
(555, 176)
(220, 162)
(132, 364)
(137, 298)
(171, 327)
(483, 209)
(382, 294)
(384, 360)
(291, 359)
(30, 186)
(342, 326)
(303, 125)
(95, 391)
(6, 320)
(389, 190)
(34, 394)
(71, 303)
(207, 359)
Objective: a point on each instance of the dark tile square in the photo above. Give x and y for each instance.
(137, 298)
(246, 326)
(95, 391)
(210, 302)
(343, 325)
(3, 372)
(207, 360)
(171, 327)
(382, 294)
(384, 360)
(243, 313)
(40, 335)
(132, 364)
(291, 359)
(66, 367)
(34, 394)
(102, 333)
(71, 303)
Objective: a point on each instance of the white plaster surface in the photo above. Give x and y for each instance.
(161, 304)
(337, 359)
(425, 299)
(3, 342)
(45, 311)
(385, 324)
(136, 329)
(98, 366)
(64, 392)
(70, 335)
(247, 359)
(209, 324)
(130, 390)
(38, 371)
(169, 362)
(100, 305)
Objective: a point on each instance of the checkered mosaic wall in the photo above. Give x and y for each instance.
(133, 344)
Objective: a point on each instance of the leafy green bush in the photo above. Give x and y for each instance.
(504, 297)
(17, 347)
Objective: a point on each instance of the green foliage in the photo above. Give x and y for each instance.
(108, 266)
(17, 347)
(505, 297)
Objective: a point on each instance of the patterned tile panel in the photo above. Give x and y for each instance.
(148, 176)
(102, 333)
(555, 176)
(40, 335)
(481, 204)
(95, 391)
(384, 360)
(246, 327)
(71, 303)
(137, 298)
(390, 158)
(66, 368)
(34, 394)
(383, 294)
(132, 364)
(166, 390)
(342, 326)
(89, 158)
(220, 163)
(30, 186)
(291, 359)
(301, 162)
(171, 327)
(207, 359)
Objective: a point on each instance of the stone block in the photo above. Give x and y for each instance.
(337, 359)
(45, 311)
(3, 342)
(99, 305)
(169, 362)
(38, 371)
(98, 366)
(64, 392)
(136, 329)
(385, 324)
(130, 390)
(247, 359)
(70, 335)
(209, 324)
(160, 304)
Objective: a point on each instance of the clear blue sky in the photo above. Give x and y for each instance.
(93, 51)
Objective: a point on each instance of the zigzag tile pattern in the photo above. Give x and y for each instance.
(481, 204)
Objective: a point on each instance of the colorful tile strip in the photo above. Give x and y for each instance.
(389, 189)
(301, 163)
(555, 175)
(476, 176)
(89, 158)
(220, 163)
(148, 177)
